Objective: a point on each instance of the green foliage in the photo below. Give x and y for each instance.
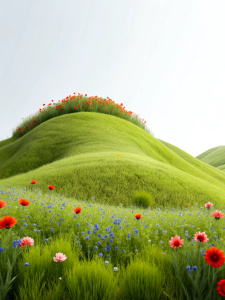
(143, 199)
(91, 281)
(142, 281)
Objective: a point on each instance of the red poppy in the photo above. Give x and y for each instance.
(214, 257)
(51, 187)
(201, 236)
(176, 242)
(77, 210)
(138, 216)
(217, 214)
(24, 202)
(221, 287)
(33, 182)
(2, 204)
(7, 222)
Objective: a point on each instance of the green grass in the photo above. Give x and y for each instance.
(98, 161)
(77, 154)
(145, 267)
(214, 157)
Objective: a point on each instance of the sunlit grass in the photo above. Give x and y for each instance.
(91, 154)
(214, 157)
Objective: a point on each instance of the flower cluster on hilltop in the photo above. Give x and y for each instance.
(78, 103)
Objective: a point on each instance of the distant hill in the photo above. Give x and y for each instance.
(89, 154)
(214, 157)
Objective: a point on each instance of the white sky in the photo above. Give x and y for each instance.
(163, 59)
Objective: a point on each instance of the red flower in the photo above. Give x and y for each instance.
(7, 222)
(201, 236)
(221, 287)
(214, 257)
(27, 241)
(24, 202)
(33, 182)
(176, 242)
(51, 187)
(2, 204)
(77, 210)
(208, 204)
(75, 107)
(217, 214)
(138, 216)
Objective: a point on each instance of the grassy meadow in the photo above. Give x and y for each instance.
(79, 169)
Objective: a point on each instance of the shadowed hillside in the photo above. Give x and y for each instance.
(88, 154)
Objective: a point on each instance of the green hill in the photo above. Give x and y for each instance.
(89, 154)
(214, 157)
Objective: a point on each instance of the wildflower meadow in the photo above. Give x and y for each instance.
(57, 247)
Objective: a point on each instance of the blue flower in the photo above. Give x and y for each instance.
(95, 247)
(106, 236)
(116, 248)
(128, 235)
(89, 232)
(87, 238)
(189, 271)
(124, 250)
(52, 229)
(78, 224)
(188, 267)
(136, 231)
(1, 249)
(100, 254)
(194, 268)
(99, 243)
(106, 262)
(33, 224)
(46, 240)
(26, 264)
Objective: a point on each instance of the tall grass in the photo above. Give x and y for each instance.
(75, 104)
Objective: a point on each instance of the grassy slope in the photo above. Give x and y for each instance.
(214, 157)
(77, 154)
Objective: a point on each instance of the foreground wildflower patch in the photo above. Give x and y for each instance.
(115, 235)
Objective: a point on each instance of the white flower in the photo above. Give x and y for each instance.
(149, 241)
(115, 269)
